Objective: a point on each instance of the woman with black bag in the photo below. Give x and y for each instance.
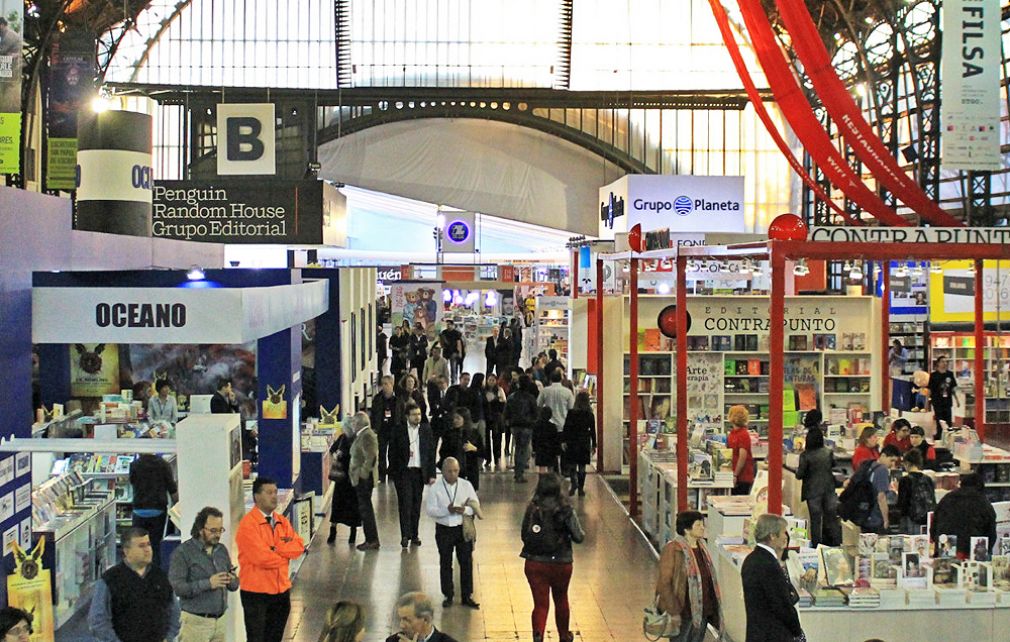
(549, 528)
(578, 443)
(344, 504)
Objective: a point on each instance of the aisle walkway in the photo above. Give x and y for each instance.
(613, 577)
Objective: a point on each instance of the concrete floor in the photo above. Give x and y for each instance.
(613, 579)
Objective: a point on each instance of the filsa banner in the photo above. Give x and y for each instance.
(11, 43)
(260, 211)
(969, 93)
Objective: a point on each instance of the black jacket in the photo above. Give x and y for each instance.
(437, 636)
(769, 597)
(489, 349)
(815, 471)
(453, 441)
(967, 513)
(521, 410)
(566, 524)
(399, 450)
(579, 437)
(152, 481)
(460, 397)
(377, 412)
(219, 405)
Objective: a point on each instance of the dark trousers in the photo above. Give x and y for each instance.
(824, 525)
(493, 441)
(266, 615)
(449, 538)
(742, 488)
(577, 474)
(522, 451)
(155, 527)
(383, 436)
(546, 579)
(945, 413)
(363, 491)
(409, 485)
(455, 365)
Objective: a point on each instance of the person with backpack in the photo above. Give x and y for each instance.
(548, 530)
(818, 491)
(965, 512)
(864, 500)
(916, 494)
(520, 415)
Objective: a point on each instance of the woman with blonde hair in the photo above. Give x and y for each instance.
(739, 442)
(345, 622)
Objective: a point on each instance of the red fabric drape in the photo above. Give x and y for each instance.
(848, 117)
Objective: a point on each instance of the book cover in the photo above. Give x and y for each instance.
(947, 546)
(1000, 570)
(754, 366)
(979, 549)
(944, 572)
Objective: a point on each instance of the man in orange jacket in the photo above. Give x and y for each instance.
(266, 543)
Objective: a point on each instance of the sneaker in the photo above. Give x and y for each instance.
(416, 541)
(404, 542)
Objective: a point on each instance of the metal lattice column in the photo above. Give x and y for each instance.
(923, 35)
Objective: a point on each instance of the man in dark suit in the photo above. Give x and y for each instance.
(411, 466)
(385, 412)
(415, 614)
(224, 402)
(439, 406)
(768, 594)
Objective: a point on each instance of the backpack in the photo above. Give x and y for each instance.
(923, 499)
(856, 501)
(543, 536)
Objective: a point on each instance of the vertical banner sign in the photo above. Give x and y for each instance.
(246, 136)
(969, 93)
(71, 70)
(459, 235)
(11, 25)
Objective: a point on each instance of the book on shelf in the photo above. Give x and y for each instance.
(825, 342)
(722, 343)
(798, 342)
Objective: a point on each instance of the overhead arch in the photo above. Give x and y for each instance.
(487, 166)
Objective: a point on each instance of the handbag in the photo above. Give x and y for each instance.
(469, 529)
(337, 472)
(657, 625)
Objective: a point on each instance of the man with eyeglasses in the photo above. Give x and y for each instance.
(202, 573)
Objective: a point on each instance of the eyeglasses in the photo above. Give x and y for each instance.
(215, 531)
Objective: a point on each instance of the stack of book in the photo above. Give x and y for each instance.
(864, 598)
(806, 599)
(919, 598)
(827, 597)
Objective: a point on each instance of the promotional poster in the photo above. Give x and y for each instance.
(94, 369)
(417, 302)
(11, 43)
(71, 69)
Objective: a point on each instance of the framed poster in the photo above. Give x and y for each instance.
(94, 369)
(354, 346)
(363, 342)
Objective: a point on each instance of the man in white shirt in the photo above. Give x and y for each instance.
(558, 398)
(449, 499)
(411, 466)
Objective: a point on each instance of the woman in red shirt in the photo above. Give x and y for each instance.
(867, 447)
(899, 435)
(739, 441)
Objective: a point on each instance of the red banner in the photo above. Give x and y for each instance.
(801, 118)
(762, 112)
(849, 118)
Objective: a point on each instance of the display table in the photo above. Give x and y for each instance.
(728, 514)
(857, 625)
(657, 475)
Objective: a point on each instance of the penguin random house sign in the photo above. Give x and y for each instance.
(259, 211)
(674, 203)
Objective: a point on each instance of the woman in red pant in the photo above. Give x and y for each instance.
(549, 528)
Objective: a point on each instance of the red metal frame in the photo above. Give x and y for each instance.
(979, 354)
(885, 335)
(682, 446)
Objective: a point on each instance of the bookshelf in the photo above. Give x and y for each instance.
(828, 360)
(552, 325)
(959, 348)
(915, 338)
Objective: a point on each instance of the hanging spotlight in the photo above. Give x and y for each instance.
(901, 271)
(801, 269)
(856, 273)
(195, 273)
(917, 271)
(936, 268)
(663, 288)
(971, 268)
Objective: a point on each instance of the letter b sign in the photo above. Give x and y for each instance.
(246, 139)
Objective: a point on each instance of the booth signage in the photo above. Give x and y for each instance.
(675, 203)
(459, 235)
(973, 235)
(970, 91)
(167, 315)
(260, 211)
(246, 139)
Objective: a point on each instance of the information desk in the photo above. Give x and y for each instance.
(859, 624)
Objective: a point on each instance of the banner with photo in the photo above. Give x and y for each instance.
(952, 292)
(417, 302)
(970, 92)
(71, 73)
(11, 44)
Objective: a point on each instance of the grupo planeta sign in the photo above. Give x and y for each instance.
(260, 211)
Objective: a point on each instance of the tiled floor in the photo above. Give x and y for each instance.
(613, 577)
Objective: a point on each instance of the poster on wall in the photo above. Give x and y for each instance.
(71, 70)
(11, 44)
(952, 292)
(417, 302)
(909, 292)
(94, 369)
(970, 91)
(704, 381)
(28, 588)
(275, 406)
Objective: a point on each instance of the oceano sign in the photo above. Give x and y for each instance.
(140, 315)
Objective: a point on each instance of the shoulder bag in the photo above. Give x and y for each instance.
(657, 625)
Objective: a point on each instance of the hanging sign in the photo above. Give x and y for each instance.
(959, 235)
(970, 92)
(459, 235)
(11, 25)
(246, 139)
(71, 72)
(29, 589)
